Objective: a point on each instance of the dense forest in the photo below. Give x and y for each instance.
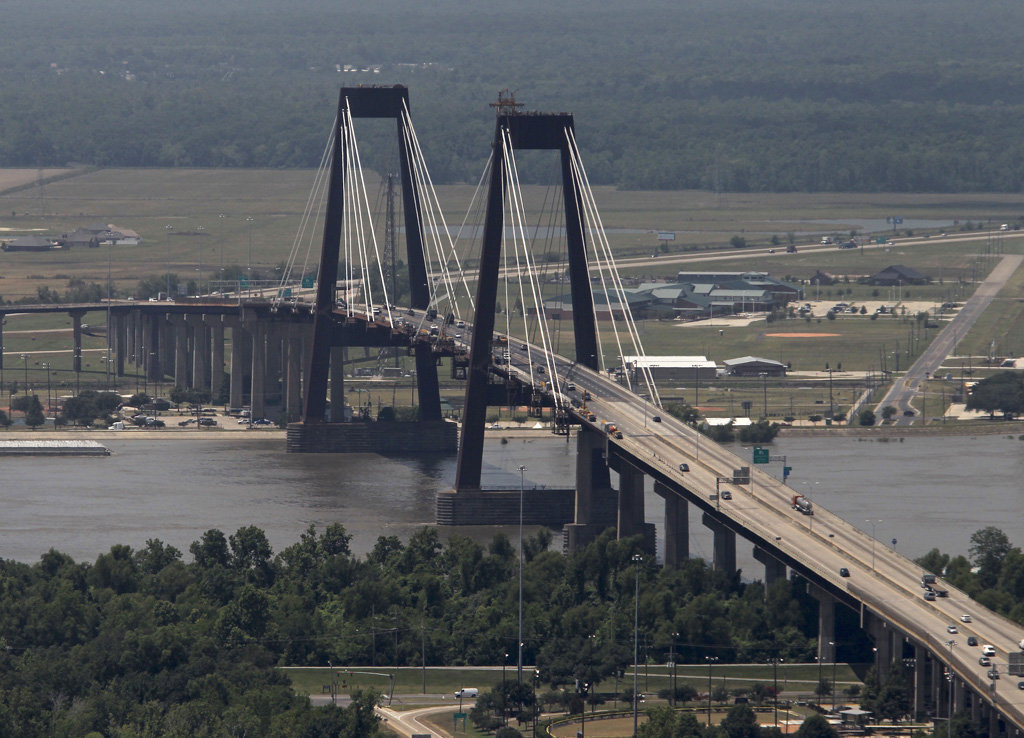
(151, 642)
(729, 95)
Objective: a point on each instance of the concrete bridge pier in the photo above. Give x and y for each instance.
(274, 367)
(76, 339)
(631, 501)
(959, 695)
(180, 350)
(938, 686)
(826, 622)
(881, 633)
(677, 526)
(166, 352)
(151, 348)
(920, 680)
(216, 329)
(200, 341)
(975, 708)
(137, 341)
(239, 360)
(724, 545)
(595, 507)
(774, 570)
(257, 400)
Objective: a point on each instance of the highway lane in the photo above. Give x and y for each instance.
(903, 390)
(821, 544)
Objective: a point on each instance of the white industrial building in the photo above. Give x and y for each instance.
(671, 368)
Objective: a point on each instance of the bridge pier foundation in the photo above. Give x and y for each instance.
(180, 349)
(938, 686)
(119, 327)
(880, 632)
(920, 683)
(724, 545)
(677, 526)
(959, 695)
(274, 383)
(631, 501)
(200, 350)
(774, 570)
(151, 348)
(136, 338)
(165, 354)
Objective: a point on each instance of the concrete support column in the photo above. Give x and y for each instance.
(975, 707)
(2, 318)
(725, 545)
(920, 685)
(166, 348)
(774, 570)
(259, 368)
(293, 370)
(180, 350)
(200, 350)
(239, 361)
(993, 723)
(677, 526)
(151, 340)
(826, 622)
(337, 384)
(274, 365)
(216, 327)
(631, 501)
(938, 685)
(137, 342)
(959, 696)
(879, 632)
(591, 474)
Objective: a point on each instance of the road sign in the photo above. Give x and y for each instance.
(786, 471)
(243, 282)
(307, 281)
(666, 236)
(761, 455)
(459, 716)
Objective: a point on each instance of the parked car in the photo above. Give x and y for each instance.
(262, 421)
(207, 421)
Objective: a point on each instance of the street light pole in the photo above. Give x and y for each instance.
(949, 703)
(832, 645)
(774, 661)
(764, 381)
(522, 484)
(873, 522)
(637, 558)
(710, 660)
(249, 220)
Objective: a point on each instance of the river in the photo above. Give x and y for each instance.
(924, 491)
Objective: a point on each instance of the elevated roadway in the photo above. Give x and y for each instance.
(880, 582)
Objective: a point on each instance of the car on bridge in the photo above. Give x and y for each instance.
(965, 618)
(972, 640)
(952, 629)
(684, 467)
(984, 661)
(844, 572)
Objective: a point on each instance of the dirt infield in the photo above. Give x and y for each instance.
(802, 335)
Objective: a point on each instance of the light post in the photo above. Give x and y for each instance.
(220, 272)
(832, 645)
(949, 677)
(584, 689)
(831, 404)
(199, 271)
(504, 692)
(24, 358)
(637, 558)
(774, 661)
(522, 484)
(536, 707)
(820, 695)
(249, 220)
(764, 382)
(710, 660)
(46, 366)
(873, 522)
(673, 700)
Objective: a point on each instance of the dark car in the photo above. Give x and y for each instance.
(972, 641)
(909, 413)
(207, 421)
(1020, 685)
(844, 572)
(684, 467)
(993, 674)
(656, 419)
(262, 421)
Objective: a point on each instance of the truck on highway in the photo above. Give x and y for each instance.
(927, 581)
(802, 505)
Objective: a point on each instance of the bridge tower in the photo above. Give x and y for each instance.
(524, 131)
(367, 102)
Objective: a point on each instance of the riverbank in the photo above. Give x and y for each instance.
(970, 429)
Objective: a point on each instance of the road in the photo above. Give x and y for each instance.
(903, 390)
(817, 545)
(410, 722)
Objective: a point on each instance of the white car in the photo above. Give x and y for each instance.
(988, 650)
(965, 618)
(952, 629)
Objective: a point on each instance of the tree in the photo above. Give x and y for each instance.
(1003, 391)
(866, 417)
(34, 416)
(989, 547)
(816, 726)
(889, 412)
(741, 722)
(738, 242)
(762, 431)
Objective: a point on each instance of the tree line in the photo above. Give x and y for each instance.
(738, 95)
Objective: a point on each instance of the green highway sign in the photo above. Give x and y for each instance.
(761, 455)
(307, 281)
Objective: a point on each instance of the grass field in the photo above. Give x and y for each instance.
(189, 218)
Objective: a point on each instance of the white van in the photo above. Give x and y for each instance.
(467, 693)
(988, 650)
